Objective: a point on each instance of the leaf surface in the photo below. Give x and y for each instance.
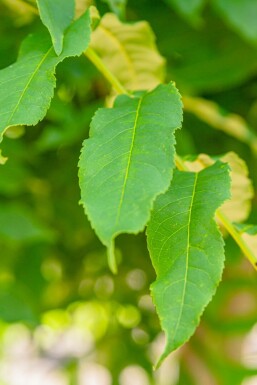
(130, 52)
(128, 160)
(30, 81)
(56, 15)
(186, 249)
(238, 208)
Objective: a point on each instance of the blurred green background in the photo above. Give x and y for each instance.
(64, 318)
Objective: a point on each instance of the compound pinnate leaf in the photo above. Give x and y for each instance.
(128, 160)
(130, 52)
(56, 15)
(186, 249)
(27, 86)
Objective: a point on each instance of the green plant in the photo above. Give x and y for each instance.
(130, 175)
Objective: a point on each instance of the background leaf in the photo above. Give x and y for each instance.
(118, 7)
(249, 236)
(30, 81)
(238, 208)
(241, 15)
(133, 162)
(190, 9)
(130, 52)
(56, 15)
(186, 249)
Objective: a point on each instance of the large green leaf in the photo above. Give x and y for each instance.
(27, 86)
(241, 15)
(56, 16)
(128, 161)
(186, 249)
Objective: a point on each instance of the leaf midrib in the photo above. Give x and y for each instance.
(187, 256)
(129, 162)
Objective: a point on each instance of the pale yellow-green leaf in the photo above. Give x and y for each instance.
(130, 52)
(238, 208)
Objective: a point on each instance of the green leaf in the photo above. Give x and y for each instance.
(27, 86)
(241, 15)
(186, 249)
(130, 52)
(190, 9)
(128, 161)
(56, 15)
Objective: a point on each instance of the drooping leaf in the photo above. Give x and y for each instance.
(30, 81)
(130, 52)
(238, 208)
(56, 15)
(128, 161)
(241, 15)
(190, 9)
(186, 249)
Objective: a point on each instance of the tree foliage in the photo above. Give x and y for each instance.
(182, 200)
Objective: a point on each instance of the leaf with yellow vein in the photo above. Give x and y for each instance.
(130, 52)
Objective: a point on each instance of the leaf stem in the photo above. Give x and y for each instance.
(235, 234)
(100, 65)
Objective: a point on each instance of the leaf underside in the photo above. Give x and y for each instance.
(128, 160)
(130, 52)
(186, 249)
(31, 81)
